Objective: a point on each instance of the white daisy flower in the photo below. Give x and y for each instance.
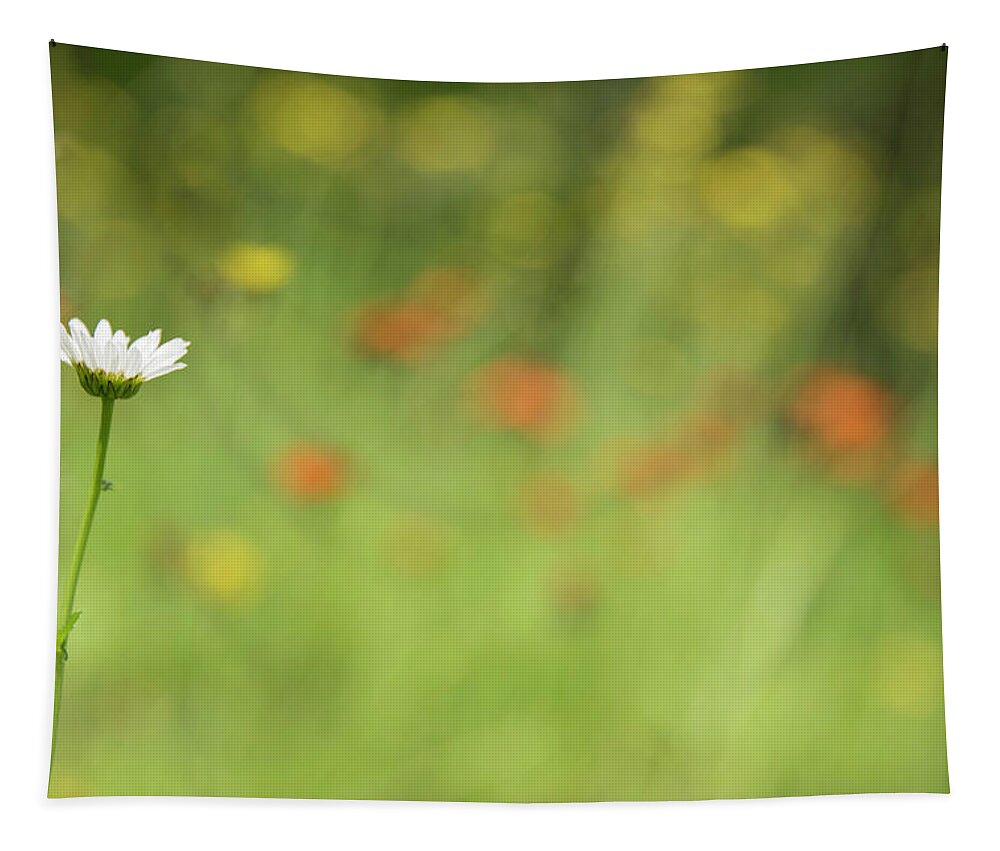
(109, 367)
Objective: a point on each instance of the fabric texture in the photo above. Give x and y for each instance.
(537, 442)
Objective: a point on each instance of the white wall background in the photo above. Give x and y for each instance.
(505, 40)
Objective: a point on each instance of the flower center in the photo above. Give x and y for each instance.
(107, 385)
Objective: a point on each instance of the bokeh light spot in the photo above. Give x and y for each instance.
(536, 399)
(225, 566)
(748, 188)
(312, 118)
(312, 472)
(255, 268)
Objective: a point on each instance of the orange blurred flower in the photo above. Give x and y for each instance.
(441, 305)
(534, 398)
(843, 411)
(403, 332)
(312, 472)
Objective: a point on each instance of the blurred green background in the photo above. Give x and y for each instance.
(539, 442)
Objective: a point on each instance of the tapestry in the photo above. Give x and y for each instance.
(528, 442)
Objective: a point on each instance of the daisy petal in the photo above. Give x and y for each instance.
(134, 358)
(167, 354)
(118, 348)
(102, 346)
(142, 349)
(163, 371)
(81, 336)
(70, 351)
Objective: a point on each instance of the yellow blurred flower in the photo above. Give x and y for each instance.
(682, 115)
(748, 188)
(312, 118)
(224, 566)
(446, 134)
(255, 267)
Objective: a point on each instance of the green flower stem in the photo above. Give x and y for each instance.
(66, 614)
